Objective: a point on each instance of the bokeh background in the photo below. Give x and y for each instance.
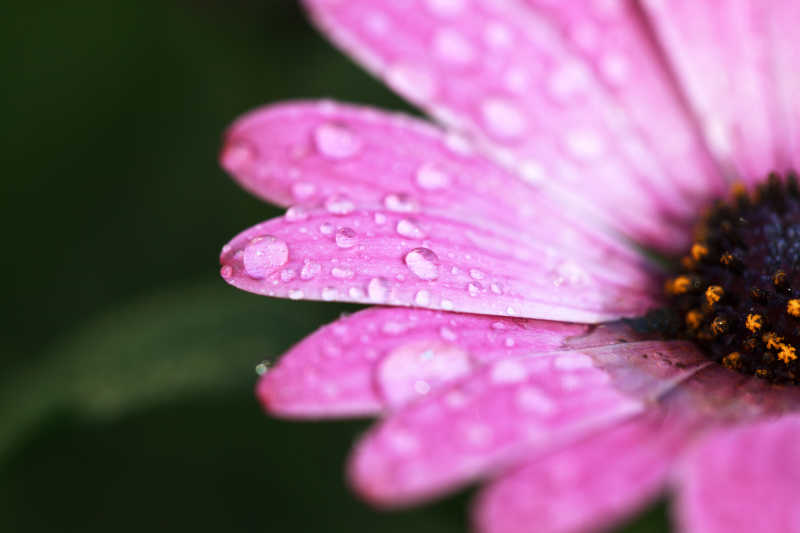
(127, 368)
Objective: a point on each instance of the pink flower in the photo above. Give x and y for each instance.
(571, 136)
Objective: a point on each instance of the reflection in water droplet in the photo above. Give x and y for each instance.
(326, 228)
(377, 289)
(296, 213)
(346, 238)
(423, 263)
(263, 254)
(336, 141)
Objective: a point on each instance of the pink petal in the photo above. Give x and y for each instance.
(590, 485)
(395, 258)
(503, 73)
(309, 152)
(516, 407)
(744, 479)
(721, 54)
(382, 358)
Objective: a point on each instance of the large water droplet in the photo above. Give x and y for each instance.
(264, 254)
(237, 155)
(339, 204)
(400, 202)
(409, 229)
(377, 289)
(346, 238)
(431, 177)
(423, 263)
(414, 369)
(336, 141)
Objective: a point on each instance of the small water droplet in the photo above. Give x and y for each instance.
(339, 204)
(474, 273)
(295, 294)
(447, 305)
(263, 254)
(329, 293)
(226, 272)
(326, 228)
(341, 273)
(302, 191)
(296, 213)
(238, 154)
(377, 289)
(263, 367)
(356, 293)
(400, 202)
(423, 263)
(447, 334)
(336, 141)
(309, 270)
(431, 177)
(288, 274)
(422, 297)
(346, 238)
(474, 288)
(409, 229)
(380, 218)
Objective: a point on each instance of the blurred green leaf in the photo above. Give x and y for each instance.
(179, 342)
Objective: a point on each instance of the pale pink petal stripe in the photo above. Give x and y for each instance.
(590, 485)
(387, 257)
(720, 52)
(505, 75)
(743, 480)
(382, 358)
(511, 409)
(305, 153)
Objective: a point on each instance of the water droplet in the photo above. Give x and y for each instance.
(336, 141)
(326, 228)
(377, 289)
(380, 218)
(309, 270)
(346, 238)
(226, 272)
(503, 119)
(288, 274)
(474, 289)
(451, 46)
(400, 202)
(508, 371)
(329, 293)
(237, 155)
(474, 273)
(423, 263)
(430, 177)
(511, 311)
(296, 213)
(446, 8)
(339, 204)
(341, 273)
(356, 293)
(447, 334)
(263, 367)
(302, 191)
(415, 83)
(295, 294)
(264, 254)
(416, 368)
(447, 305)
(422, 297)
(409, 229)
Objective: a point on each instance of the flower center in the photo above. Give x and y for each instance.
(737, 292)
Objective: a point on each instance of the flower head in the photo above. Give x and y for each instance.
(504, 248)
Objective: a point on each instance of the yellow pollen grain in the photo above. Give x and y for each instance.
(732, 360)
(679, 285)
(762, 373)
(714, 294)
(772, 340)
(793, 307)
(779, 278)
(753, 322)
(687, 262)
(694, 318)
(738, 189)
(787, 353)
(699, 251)
(726, 259)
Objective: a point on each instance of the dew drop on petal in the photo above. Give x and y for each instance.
(423, 263)
(310, 270)
(263, 367)
(342, 273)
(474, 273)
(288, 274)
(380, 218)
(474, 288)
(264, 254)
(377, 289)
(296, 213)
(346, 238)
(447, 305)
(339, 204)
(226, 272)
(336, 141)
(422, 297)
(503, 119)
(303, 191)
(400, 202)
(295, 294)
(430, 177)
(237, 155)
(326, 228)
(415, 368)
(329, 293)
(409, 229)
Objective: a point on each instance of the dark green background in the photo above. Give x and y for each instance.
(127, 365)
